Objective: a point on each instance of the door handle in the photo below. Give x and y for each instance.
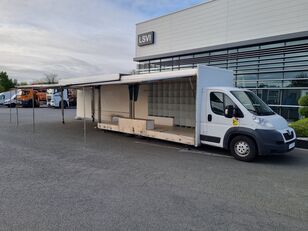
(209, 117)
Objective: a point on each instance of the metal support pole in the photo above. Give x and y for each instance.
(33, 113)
(16, 107)
(99, 105)
(62, 106)
(10, 105)
(84, 117)
(93, 104)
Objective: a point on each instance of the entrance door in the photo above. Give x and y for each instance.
(215, 123)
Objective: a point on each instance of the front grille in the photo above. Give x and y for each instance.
(288, 136)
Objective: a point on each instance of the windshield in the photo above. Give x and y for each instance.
(253, 103)
(50, 91)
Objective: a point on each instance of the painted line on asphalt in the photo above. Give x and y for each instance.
(205, 153)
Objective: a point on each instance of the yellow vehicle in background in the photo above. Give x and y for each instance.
(26, 97)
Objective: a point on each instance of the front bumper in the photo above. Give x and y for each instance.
(273, 142)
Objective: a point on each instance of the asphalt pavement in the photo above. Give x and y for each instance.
(50, 179)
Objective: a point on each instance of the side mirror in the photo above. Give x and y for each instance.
(229, 111)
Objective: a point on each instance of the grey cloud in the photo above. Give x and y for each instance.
(69, 37)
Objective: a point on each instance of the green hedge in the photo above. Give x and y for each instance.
(303, 101)
(300, 127)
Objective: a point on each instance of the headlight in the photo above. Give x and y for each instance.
(262, 122)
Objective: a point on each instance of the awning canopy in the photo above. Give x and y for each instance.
(111, 79)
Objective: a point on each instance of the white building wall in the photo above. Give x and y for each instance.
(223, 21)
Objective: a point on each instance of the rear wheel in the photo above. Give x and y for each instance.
(243, 148)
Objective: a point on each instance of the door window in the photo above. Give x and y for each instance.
(219, 101)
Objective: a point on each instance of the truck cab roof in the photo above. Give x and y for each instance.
(227, 88)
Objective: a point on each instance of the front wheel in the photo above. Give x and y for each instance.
(243, 148)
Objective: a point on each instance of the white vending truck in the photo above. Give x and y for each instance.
(193, 107)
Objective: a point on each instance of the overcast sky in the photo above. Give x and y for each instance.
(73, 38)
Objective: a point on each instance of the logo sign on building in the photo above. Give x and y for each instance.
(146, 39)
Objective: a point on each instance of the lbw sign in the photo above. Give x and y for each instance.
(146, 39)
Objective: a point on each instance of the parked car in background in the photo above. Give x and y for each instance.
(5, 95)
(11, 102)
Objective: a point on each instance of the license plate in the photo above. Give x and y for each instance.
(291, 145)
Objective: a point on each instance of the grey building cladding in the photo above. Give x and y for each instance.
(276, 70)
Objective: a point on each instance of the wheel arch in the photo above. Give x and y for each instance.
(238, 131)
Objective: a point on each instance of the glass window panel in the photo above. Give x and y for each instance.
(264, 76)
(274, 65)
(271, 57)
(294, 75)
(297, 63)
(201, 55)
(245, 64)
(186, 57)
(290, 113)
(297, 42)
(296, 54)
(290, 97)
(270, 96)
(297, 58)
(247, 84)
(296, 83)
(232, 51)
(246, 71)
(243, 49)
(269, 84)
(247, 59)
(219, 52)
(247, 77)
(273, 45)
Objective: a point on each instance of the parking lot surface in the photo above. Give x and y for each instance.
(51, 180)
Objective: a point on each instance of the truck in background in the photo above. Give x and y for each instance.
(25, 97)
(54, 98)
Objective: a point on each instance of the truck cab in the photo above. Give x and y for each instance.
(54, 98)
(25, 98)
(238, 120)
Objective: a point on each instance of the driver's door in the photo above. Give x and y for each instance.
(216, 124)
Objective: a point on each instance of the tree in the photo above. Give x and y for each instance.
(303, 101)
(50, 78)
(5, 83)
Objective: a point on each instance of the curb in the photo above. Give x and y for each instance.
(302, 143)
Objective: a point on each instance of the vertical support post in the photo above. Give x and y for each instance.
(131, 98)
(33, 113)
(10, 105)
(16, 107)
(99, 105)
(93, 104)
(84, 117)
(62, 106)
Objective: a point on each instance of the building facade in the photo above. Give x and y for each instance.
(264, 42)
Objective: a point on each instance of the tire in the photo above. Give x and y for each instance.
(243, 148)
